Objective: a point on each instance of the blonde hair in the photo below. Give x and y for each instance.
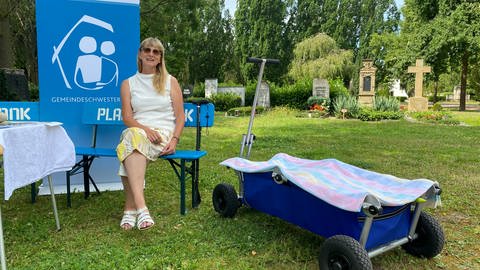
(161, 73)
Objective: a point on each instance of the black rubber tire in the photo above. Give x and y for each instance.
(225, 200)
(341, 252)
(430, 239)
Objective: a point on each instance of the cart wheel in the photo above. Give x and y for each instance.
(430, 238)
(225, 200)
(341, 252)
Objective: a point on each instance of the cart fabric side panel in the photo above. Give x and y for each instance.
(293, 204)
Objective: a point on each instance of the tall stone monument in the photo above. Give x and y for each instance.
(366, 91)
(418, 103)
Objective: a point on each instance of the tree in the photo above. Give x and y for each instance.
(213, 43)
(21, 17)
(320, 57)
(260, 32)
(446, 34)
(175, 23)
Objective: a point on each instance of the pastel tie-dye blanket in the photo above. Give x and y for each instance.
(342, 185)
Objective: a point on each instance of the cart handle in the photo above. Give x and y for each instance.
(260, 60)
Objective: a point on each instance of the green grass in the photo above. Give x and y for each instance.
(469, 118)
(91, 238)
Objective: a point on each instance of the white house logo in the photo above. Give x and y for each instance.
(90, 65)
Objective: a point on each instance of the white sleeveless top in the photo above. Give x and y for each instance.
(151, 108)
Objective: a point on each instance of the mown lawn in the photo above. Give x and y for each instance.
(91, 238)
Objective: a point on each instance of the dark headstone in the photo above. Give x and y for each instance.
(13, 85)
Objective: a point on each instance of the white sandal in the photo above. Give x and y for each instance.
(129, 218)
(144, 217)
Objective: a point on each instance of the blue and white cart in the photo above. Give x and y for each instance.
(360, 213)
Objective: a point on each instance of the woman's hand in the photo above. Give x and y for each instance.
(153, 136)
(170, 147)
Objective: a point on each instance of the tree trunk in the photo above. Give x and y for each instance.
(435, 91)
(463, 81)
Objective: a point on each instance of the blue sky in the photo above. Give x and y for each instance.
(231, 4)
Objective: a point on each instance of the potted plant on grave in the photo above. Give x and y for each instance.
(318, 106)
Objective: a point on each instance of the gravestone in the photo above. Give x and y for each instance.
(13, 85)
(264, 95)
(320, 88)
(237, 90)
(211, 86)
(187, 91)
(456, 94)
(366, 91)
(418, 103)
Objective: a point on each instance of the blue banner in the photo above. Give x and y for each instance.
(111, 114)
(20, 111)
(86, 48)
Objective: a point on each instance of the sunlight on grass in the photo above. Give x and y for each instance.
(469, 118)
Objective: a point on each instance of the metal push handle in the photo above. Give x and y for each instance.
(248, 139)
(260, 60)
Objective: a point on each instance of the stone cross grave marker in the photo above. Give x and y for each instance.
(320, 88)
(418, 103)
(419, 69)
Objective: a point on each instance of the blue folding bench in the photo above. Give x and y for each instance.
(184, 162)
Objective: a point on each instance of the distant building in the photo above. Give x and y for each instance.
(397, 91)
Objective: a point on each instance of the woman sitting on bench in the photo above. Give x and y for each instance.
(152, 110)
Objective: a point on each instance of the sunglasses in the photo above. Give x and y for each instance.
(149, 50)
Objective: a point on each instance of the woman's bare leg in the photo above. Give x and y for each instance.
(136, 166)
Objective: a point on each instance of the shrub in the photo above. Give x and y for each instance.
(244, 111)
(294, 96)
(440, 117)
(225, 101)
(337, 89)
(199, 90)
(346, 102)
(386, 104)
(196, 99)
(368, 114)
(440, 97)
(437, 107)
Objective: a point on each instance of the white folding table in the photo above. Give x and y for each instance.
(32, 151)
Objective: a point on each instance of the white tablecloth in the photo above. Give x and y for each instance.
(33, 151)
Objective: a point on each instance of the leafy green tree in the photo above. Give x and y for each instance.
(21, 16)
(259, 29)
(320, 57)
(213, 44)
(306, 19)
(446, 34)
(175, 23)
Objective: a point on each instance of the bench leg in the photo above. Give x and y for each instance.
(69, 200)
(33, 192)
(86, 173)
(182, 187)
(196, 199)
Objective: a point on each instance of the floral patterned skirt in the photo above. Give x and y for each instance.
(136, 139)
